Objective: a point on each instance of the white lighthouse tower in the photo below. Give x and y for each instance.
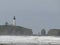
(14, 21)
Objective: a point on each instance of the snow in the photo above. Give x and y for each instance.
(30, 39)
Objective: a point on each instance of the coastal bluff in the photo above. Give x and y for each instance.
(14, 30)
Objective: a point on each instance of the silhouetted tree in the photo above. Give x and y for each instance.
(43, 32)
(6, 23)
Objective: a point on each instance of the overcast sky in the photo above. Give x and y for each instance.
(34, 14)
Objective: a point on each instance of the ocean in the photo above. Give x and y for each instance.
(29, 40)
(28, 44)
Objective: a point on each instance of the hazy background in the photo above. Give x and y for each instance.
(34, 14)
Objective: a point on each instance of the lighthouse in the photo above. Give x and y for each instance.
(14, 21)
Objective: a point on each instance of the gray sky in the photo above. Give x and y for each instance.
(34, 14)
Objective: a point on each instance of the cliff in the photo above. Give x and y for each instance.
(54, 32)
(14, 30)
